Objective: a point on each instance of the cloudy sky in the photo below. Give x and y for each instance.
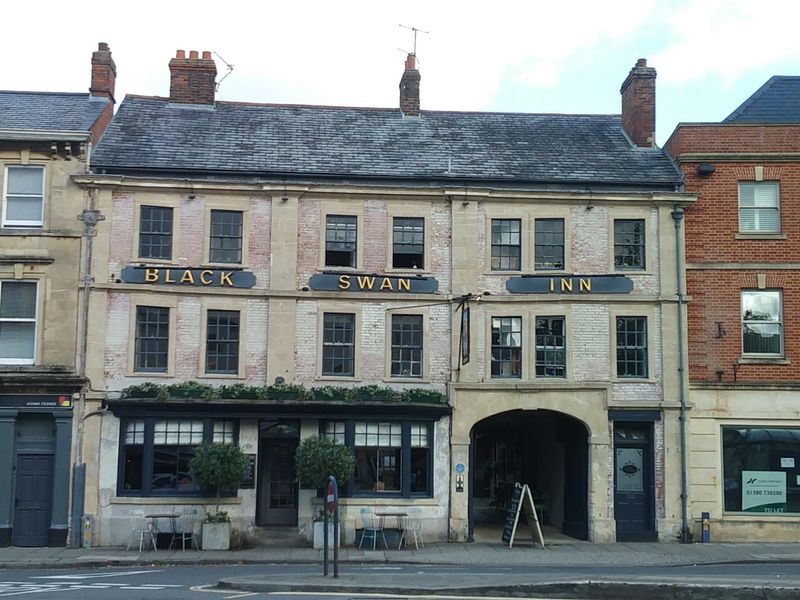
(568, 56)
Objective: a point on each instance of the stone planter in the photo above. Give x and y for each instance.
(319, 535)
(216, 536)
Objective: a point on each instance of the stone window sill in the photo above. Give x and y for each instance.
(760, 236)
(778, 360)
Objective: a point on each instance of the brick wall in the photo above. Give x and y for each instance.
(712, 225)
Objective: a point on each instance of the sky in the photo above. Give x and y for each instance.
(568, 56)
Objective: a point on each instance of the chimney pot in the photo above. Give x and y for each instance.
(192, 80)
(409, 88)
(104, 73)
(639, 104)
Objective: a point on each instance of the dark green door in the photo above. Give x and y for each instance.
(33, 500)
(634, 482)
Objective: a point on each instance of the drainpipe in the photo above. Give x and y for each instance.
(90, 216)
(677, 217)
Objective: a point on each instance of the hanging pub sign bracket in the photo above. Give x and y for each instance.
(522, 499)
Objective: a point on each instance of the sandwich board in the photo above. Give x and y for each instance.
(522, 499)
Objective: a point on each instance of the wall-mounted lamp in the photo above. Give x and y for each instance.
(705, 169)
(285, 199)
(465, 203)
(590, 206)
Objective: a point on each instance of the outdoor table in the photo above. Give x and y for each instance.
(398, 515)
(156, 516)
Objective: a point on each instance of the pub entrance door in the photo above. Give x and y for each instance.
(634, 491)
(277, 483)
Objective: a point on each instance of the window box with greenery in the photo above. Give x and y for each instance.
(316, 459)
(220, 467)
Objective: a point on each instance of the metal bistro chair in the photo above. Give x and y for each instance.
(185, 530)
(140, 526)
(369, 530)
(413, 525)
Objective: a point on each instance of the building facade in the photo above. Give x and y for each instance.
(442, 292)
(742, 254)
(45, 139)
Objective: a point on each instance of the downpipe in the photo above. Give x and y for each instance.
(677, 217)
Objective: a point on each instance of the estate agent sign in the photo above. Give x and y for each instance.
(570, 284)
(764, 491)
(189, 276)
(346, 282)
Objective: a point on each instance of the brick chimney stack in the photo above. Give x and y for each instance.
(104, 73)
(639, 104)
(192, 80)
(409, 88)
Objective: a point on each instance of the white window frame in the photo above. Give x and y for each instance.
(40, 222)
(756, 229)
(779, 322)
(23, 361)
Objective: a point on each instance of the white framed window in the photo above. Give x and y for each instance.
(762, 323)
(17, 322)
(759, 210)
(23, 196)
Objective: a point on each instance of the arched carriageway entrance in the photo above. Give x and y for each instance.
(547, 450)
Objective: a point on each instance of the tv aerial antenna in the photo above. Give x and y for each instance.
(228, 65)
(416, 31)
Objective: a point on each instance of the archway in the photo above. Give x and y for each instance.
(547, 450)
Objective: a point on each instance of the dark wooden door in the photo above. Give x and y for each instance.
(278, 493)
(633, 482)
(33, 500)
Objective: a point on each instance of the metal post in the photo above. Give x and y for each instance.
(335, 527)
(325, 543)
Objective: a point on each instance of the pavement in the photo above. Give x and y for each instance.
(569, 554)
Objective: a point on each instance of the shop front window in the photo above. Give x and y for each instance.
(391, 457)
(155, 454)
(761, 469)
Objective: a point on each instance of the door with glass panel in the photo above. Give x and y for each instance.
(277, 482)
(634, 494)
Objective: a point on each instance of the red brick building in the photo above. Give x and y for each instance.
(743, 262)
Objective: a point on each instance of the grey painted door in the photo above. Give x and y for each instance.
(33, 500)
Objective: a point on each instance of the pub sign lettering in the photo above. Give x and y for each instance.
(189, 276)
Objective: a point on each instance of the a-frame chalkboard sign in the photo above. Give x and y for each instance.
(522, 498)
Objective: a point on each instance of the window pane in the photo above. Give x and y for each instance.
(629, 244)
(17, 340)
(761, 469)
(224, 432)
(152, 339)
(335, 431)
(407, 346)
(419, 469)
(25, 181)
(133, 467)
(23, 209)
(408, 243)
(226, 236)
(551, 356)
(338, 344)
(762, 329)
(155, 232)
(222, 341)
(758, 206)
(506, 347)
(340, 241)
(549, 244)
(17, 300)
(134, 432)
(377, 469)
(632, 347)
(506, 247)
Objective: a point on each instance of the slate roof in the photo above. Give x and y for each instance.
(777, 101)
(152, 135)
(49, 111)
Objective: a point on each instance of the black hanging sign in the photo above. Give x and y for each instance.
(464, 333)
(249, 480)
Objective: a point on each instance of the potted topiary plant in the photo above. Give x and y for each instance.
(316, 459)
(220, 467)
